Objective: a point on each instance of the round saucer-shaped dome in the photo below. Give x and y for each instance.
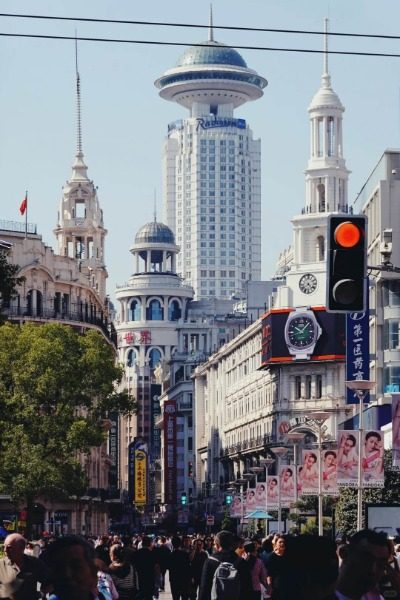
(154, 233)
(211, 53)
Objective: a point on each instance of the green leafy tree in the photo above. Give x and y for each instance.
(346, 507)
(56, 389)
(9, 280)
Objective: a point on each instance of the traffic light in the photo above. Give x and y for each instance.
(228, 499)
(190, 469)
(183, 499)
(346, 263)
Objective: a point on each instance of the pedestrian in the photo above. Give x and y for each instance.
(179, 570)
(162, 553)
(31, 572)
(224, 552)
(277, 568)
(122, 572)
(105, 583)
(73, 570)
(257, 569)
(147, 568)
(198, 557)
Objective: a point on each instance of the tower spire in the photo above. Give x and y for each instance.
(78, 100)
(79, 169)
(326, 78)
(210, 26)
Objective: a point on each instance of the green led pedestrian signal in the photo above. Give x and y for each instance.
(183, 499)
(228, 499)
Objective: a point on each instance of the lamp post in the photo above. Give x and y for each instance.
(295, 437)
(279, 452)
(360, 387)
(319, 418)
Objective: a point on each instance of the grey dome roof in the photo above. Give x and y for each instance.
(154, 233)
(211, 53)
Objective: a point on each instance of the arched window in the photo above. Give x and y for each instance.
(174, 311)
(320, 248)
(154, 357)
(135, 311)
(130, 358)
(154, 311)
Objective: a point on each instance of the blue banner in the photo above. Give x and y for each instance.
(357, 351)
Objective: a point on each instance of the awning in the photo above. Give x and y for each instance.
(258, 514)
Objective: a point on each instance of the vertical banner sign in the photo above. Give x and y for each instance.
(155, 439)
(261, 495)
(170, 470)
(329, 472)
(236, 507)
(347, 458)
(113, 453)
(287, 485)
(372, 459)
(272, 492)
(251, 500)
(357, 350)
(140, 472)
(309, 473)
(396, 431)
(131, 471)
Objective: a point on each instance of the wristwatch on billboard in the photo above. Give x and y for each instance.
(302, 332)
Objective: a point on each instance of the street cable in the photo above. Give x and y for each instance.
(193, 25)
(204, 45)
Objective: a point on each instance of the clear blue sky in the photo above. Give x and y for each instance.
(125, 121)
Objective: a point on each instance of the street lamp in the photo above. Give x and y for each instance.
(360, 387)
(279, 452)
(319, 418)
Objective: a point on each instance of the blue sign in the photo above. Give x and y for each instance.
(221, 122)
(357, 351)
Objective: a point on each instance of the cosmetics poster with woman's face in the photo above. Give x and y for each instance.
(261, 495)
(287, 485)
(347, 458)
(329, 472)
(250, 500)
(272, 492)
(372, 459)
(236, 506)
(396, 431)
(309, 473)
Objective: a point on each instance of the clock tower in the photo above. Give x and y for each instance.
(326, 192)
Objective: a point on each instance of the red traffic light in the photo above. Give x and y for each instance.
(347, 234)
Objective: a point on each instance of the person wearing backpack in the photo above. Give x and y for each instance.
(225, 576)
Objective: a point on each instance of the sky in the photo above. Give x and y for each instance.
(124, 121)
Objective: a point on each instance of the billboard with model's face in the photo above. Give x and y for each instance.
(302, 333)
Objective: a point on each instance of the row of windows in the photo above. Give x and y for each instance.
(154, 311)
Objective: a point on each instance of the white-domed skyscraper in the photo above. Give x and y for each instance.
(212, 171)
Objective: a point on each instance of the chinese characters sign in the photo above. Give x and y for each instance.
(357, 351)
(170, 470)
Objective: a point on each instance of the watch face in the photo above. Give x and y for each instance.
(308, 283)
(301, 331)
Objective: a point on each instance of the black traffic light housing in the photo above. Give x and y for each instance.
(228, 499)
(346, 263)
(183, 499)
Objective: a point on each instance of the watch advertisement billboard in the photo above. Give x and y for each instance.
(294, 334)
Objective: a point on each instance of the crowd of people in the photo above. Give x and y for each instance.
(213, 567)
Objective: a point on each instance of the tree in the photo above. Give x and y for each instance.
(346, 507)
(8, 279)
(56, 389)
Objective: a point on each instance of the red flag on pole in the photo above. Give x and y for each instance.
(24, 205)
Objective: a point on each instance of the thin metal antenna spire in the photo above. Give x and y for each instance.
(210, 26)
(78, 99)
(326, 70)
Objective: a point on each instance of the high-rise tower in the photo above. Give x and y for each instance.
(212, 182)
(80, 229)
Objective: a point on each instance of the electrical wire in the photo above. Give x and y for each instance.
(193, 25)
(205, 45)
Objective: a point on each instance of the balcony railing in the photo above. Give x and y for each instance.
(46, 314)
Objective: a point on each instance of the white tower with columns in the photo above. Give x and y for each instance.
(326, 192)
(80, 229)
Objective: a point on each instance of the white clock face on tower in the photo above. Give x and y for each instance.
(308, 283)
